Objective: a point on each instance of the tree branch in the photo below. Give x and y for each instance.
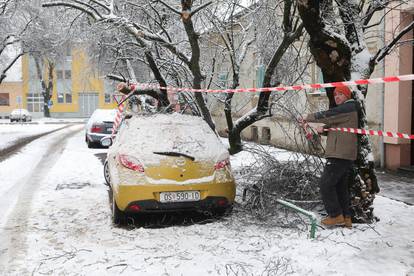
(382, 53)
(3, 73)
(169, 7)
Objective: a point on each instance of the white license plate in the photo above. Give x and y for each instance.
(109, 129)
(180, 196)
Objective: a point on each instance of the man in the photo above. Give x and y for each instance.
(341, 152)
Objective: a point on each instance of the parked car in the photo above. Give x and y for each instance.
(167, 162)
(20, 114)
(98, 126)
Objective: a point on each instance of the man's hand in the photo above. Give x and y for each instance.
(320, 129)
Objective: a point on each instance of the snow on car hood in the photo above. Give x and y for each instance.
(142, 135)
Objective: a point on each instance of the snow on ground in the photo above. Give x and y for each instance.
(11, 132)
(69, 232)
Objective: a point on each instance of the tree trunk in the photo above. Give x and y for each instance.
(193, 37)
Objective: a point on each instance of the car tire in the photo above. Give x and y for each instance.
(106, 174)
(222, 212)
(118, 217)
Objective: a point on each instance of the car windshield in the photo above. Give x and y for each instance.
(173, 134)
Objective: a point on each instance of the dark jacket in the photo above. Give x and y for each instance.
(343, 145)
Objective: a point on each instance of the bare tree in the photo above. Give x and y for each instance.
(47, 43)
(12, 28)
(272, 45)
(144, 36)
(337, 43)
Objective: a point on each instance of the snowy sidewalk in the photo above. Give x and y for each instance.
(396, 186)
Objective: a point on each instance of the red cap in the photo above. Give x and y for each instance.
(343, 90)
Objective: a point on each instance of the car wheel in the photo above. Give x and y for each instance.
(118, 217)
(106, 173)
(221, 212)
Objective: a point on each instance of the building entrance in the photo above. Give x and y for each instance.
(88, 102)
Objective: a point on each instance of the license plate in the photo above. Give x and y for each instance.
(180, 196)
(109, 129)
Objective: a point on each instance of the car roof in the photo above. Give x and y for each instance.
(103, 115)
(20, 110)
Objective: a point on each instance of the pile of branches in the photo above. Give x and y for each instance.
(268, 179)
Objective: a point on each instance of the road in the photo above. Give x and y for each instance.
(15, 201)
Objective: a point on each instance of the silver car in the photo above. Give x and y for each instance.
(98, 126)
(20, 114)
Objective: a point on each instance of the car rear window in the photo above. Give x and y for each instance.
(171, 133)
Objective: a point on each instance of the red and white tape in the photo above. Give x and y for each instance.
(284, 88)
(117, 119)
(372, 132)
(387, 79)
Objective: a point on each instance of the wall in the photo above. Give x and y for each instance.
(398, 95)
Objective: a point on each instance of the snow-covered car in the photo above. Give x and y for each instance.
(20, 114)
(168, 162)
(99, 126)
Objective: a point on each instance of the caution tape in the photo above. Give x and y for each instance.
(283, 88)
(372, 132)
(118, 115)
(387, 79)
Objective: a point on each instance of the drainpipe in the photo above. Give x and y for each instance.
(382, 145)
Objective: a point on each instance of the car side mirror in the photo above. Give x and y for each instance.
(106, 141)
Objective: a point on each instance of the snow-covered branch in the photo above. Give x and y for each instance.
(382, 53)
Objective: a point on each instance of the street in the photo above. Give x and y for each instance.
(56, 219)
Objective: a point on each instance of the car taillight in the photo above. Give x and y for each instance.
(96, 128)
(130, 162)
(222, 164)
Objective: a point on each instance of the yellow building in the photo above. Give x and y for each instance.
(11, 89)
(77, 88)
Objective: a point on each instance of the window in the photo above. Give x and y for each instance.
(64, 86)
(260, 70)
(222, 80)
(60, 98)
(4, 99)
(266, 135)
(255, 133)
(68, 98)
(109, 91)
(34, 102)
(108, 98)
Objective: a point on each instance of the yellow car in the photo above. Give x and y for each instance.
(168, 162)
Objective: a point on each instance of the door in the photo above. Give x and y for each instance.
(88, 102)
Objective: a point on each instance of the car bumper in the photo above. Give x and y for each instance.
(147, 197)
(96, 138)
(153, 206)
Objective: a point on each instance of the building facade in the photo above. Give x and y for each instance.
(77, 87)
